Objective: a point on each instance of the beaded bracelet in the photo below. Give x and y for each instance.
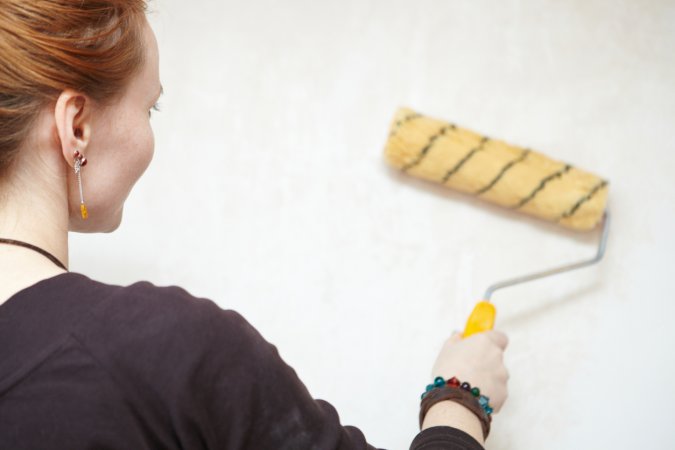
(483, 400)
(461, 393)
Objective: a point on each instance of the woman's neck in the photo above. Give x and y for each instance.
(34, 209)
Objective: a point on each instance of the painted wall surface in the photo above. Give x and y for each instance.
(269, 194)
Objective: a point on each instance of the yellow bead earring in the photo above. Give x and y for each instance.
(80, 161)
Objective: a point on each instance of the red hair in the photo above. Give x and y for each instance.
(47, 46)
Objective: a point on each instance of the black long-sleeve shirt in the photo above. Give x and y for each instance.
(89, 365)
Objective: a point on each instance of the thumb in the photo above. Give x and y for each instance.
(456, 336)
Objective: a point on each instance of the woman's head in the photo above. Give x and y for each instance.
(76, 75)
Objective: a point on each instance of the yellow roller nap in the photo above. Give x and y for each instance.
(517, 178)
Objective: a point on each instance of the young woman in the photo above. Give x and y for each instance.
(84, 364)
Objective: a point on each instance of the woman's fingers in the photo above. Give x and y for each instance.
(498, 338)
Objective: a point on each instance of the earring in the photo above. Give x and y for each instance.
(80, 161)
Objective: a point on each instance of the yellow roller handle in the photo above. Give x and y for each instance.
(482, 318)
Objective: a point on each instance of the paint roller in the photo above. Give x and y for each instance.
(516, 178)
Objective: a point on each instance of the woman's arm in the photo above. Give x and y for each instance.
(448, 413)
(220, 384)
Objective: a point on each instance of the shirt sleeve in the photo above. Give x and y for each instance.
(218, 384)
(244, 396)
(444, 438)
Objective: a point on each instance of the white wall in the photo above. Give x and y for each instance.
(269, 194)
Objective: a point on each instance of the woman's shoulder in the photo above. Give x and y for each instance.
(147, 313)
(163, 346)
(145, 328)
(143, 297)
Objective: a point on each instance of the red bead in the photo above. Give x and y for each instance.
(454, 382)
(77, 154)
(84, 162)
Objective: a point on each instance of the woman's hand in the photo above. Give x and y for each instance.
(479, 360)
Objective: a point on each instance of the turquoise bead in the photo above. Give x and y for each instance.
(430, 387)
(488, 409)
(439, 382)
(483, 400)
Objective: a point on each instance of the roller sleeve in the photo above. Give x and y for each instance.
(514, 177)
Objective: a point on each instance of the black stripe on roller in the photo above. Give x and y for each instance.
(583, 200)
(466, 157)
(399, 123)
(503, 171)
(541, 186)
(426, 148)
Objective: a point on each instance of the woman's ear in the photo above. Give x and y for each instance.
(72, 115)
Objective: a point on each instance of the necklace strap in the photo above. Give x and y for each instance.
(45, 253)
